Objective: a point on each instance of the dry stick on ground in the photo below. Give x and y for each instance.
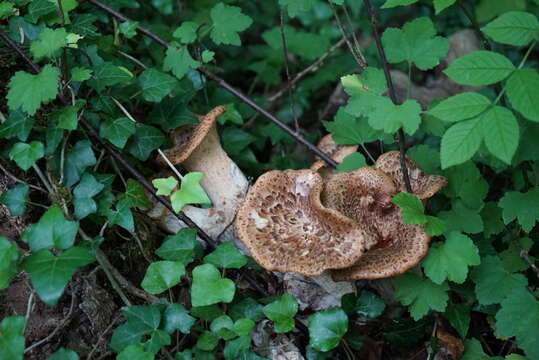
(141, 179)
(222, 83)
(392, 95)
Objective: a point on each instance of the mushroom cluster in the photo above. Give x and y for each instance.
(309, 221)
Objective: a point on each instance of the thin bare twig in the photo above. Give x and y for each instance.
(359, 59)
(392, 94)
(287, 69)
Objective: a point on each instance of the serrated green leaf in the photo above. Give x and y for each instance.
(440, 5)
(18, 124)
(421, 295)
(6, 9)
(182, 246)
(415, 43)
(50, 274)
(521, 206)
(27, 92)
(26, 155)
(162, 275)
(460, 142)
(282, 312)
(129, 28)
(190, 192)
(493, 282)
(480, 67)
(351, 162)
(461, 218)
(518, 317)
(500, 132)
(226, 256)
(79, 73)
(145, 140)
(392, 3)
(117, 131)
(390, 117)
(450, 260)
(460, 107)
(186, 32)
(326, 329)
(83, 193)
(516, 28)
(227, 22)
(52, 229)
(371, 80)
(9, 255)
(49, 43)
(492, 218)
(178, 60)
(474, 351)
(15, 199)
(207, 56)
(296, 7)
(349, 130)
(155, 85)
(412, 210)
(12, 337)
(209, 288)
(521, 87)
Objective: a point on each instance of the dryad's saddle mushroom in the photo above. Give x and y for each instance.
(286, 228)
(197, 148)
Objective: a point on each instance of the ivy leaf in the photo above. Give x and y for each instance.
(246, 308)
(347, 129)
(440, 5)
(351, 162)
(15, 199)
(520, 89)
(226, 256)
(165, 186)
(176, 317)
(326, 329)
(12, 337)
(412, 209)
(450, 260)
(369, 305)
(190, 192)
(460, 107)
(50, 274)
(117, 131)
(26, 155)
(501, 133)
(162, 275)
(108, 74)
(209, 288)
(129, 28)
(493, 282)
(393, 3)
(9, 255)
(66, 117)
(516, 28)
(122, 215)
(172, 113)
(64, 354)
(135, 352)
(207, 341)
(80, 74)
(77, 159)
(182, 246)
(390, 117)
(145, 140)
(28, 92)
(223, 327)
(83, 193)
(460, 142)
(480, 67)
(282, 312)
(18, 124)
(296, 7)
(141, 320)
(135, 195)
(186, 32)
(49, 43)
(521, 206)
(178, 60)
(415, 43)
(227, 22)
(421, 295)
(518, 317)
(155, 85)
(52, 229)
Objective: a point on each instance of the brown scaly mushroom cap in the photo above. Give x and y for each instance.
(286, 228)
(423, 186)
(365, 196)
(335, 151)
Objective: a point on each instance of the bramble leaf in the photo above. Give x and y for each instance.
(186, 32)
(440, 5)
(460, 107)
(49, 43)
(460, 142)
(500, 132)
(349, 130)
(516, 28)
(480, 67)
(351, 162)
(521, 87)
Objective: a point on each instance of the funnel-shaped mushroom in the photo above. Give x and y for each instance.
(335, 151)
(423, 186)
(286, 228)
(365, 196)
(197, 148)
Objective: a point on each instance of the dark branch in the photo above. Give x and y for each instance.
(392, 94)
(222, 83)
(19, 51)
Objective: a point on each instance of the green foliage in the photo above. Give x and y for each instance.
(282, 312)
(179, 61)
(87, 188)
(25, 155)
(519, 86)
(421, 295)
(460, 107)
(9, 255)
(226, 256)
(27, 92)
(117, 131)
(190, 192)
(15, 199)
(162, 275)
(12, 337)
(64, 354)
(49, 43)
(412, 212)
(522, 207)
(52, 230)
(516, 28)
(326, 329)
(209, 288)
(182, 246)
(227, 22)
(480, 67)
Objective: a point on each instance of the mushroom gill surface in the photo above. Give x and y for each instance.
(286, 228)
